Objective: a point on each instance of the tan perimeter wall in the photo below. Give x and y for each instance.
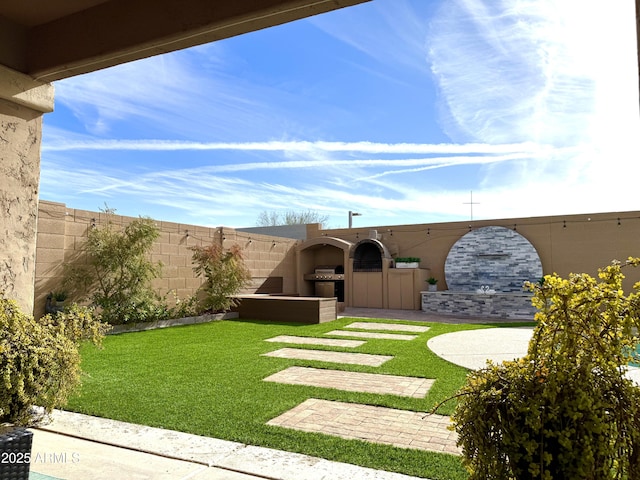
(62, 232)
(566, 244)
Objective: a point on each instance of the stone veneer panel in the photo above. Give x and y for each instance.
(467, 304)
(497, 257)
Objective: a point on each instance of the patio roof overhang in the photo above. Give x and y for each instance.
(50, 40)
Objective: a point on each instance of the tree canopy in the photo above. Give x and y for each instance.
(290, 217)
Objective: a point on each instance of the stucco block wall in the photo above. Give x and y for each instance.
(62, 233)
(20, 135)
(566, 244)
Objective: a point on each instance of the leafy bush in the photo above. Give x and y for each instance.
(118, 273)
(39, 359)
(187, 307)
(408, 260)
(224, 272)
(565, 410)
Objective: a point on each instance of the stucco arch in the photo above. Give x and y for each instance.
(324, 241)
(384, 251)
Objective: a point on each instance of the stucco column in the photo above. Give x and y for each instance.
(23, 101)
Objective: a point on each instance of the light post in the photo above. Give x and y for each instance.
(351, 215)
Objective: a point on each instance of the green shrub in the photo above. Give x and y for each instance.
(39, 359)
(408, 260)
(117, 274)
(187, 307)
(565, 410)
(224, 272)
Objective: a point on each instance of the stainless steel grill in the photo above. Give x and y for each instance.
(326, 272)
(328, 281)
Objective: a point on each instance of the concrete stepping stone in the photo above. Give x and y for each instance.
(384, 336)
(330, 342)
(414, 387)
(401, 428)
(328, 356)
(399, 327)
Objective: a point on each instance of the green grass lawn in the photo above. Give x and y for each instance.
(207, 379)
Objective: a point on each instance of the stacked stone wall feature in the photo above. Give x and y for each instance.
(466, 304)
(495, 258)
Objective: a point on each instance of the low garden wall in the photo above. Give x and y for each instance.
(515, 306)
(174, 322)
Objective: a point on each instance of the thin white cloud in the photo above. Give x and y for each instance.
(60, 144)
(531, 70)
(188, 94)
(542, 114)
(390, 31)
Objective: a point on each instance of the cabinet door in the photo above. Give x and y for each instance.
(374, 290)
(367, 289)
(407, 286)
(401, 289)
(395, 290)
(359, 289)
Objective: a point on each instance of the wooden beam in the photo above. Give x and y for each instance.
(120, 31)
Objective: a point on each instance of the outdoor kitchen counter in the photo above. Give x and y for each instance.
(283, 308)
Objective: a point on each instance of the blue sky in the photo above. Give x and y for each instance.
(396, 109)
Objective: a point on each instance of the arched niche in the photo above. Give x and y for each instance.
(323, 251)
(324, 241)
(319, 252)
(368, 255)
(495, 257)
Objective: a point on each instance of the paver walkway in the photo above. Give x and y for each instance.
(401, 428)
(330, 342)
(329, 356)
(384, 336)
(415, 387)
(398, 327)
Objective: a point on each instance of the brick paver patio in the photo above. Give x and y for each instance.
(329, 356)
(401, 428)
(415, 387)
(330, 342)
(387, 326)
(384, 336)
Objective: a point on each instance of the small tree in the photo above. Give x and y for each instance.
(565, 410)
(224, 272)
(118, 272)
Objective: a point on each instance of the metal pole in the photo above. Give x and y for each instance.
(351, 215)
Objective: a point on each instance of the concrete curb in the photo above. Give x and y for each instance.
(141, 327)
